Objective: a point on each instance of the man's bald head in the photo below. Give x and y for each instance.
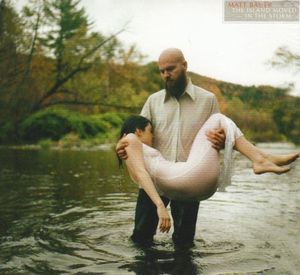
(171, 55)
(173, 70)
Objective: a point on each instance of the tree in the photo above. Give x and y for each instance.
(44, 55)
(284, 58)
(71, 47)
(286, 113)
(12, 65)
(287, 117)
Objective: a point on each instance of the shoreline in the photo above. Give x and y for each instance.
(102, 147)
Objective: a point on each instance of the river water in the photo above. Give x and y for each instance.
(71, 212)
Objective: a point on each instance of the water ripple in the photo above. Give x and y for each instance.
(72, 213)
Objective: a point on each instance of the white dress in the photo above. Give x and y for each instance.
(198, 177)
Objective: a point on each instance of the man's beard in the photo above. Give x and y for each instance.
(176, 87)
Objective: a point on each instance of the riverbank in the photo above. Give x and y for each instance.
(59, 127)
(102, 147)
(72, 142)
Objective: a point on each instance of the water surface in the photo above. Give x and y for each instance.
(71, 212)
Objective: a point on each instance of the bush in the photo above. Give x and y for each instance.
(287, 118)
(54, 123)
(113, 119)
(7, 131)
(70, 140)
(257, 125)
(45, 143)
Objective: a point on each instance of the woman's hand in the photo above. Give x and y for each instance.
(164, 218)
(120, 148)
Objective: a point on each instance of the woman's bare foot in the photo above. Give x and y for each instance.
(265, 166)
(283, 159)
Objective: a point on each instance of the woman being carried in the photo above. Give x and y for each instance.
(197, 178)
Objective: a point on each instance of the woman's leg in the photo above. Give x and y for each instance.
(198, 176)
(280, 159)
(261, 163)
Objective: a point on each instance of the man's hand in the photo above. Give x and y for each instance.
(120, 148)
(217, 138)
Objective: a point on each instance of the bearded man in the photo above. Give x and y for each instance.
(177, 113)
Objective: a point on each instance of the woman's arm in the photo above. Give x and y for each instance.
(136, 168)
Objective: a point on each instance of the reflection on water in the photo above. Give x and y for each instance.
(72, 212)
(161, 261)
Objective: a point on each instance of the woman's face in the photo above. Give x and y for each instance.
(146, 136)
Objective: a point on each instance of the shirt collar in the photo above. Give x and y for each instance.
(189, 91)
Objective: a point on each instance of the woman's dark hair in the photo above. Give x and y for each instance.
(130, 124)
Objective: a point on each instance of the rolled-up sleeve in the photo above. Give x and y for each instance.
(215, 105)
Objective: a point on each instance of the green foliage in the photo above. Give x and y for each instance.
(287, 113)
(10, 27)
(151, 71)
(49, 57)
(70, 21)
(114, 119)
(285, 58)
(6, 131)
(45, 143)
(287, 117)
(70, 127)
(11, 69)
(257, 125)
(69, 140)
(256, 96)
(55, 123)
(264, 113)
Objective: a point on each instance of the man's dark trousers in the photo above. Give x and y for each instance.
(184, 215)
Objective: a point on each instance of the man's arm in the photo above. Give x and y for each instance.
(215, 106)
(146, 110)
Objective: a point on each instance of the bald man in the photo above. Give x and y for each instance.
(177, 113)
